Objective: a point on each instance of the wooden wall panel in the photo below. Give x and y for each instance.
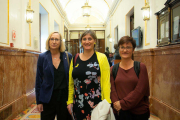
(163, 70)
(17, 80)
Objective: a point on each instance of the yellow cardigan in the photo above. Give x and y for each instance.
(104, 81)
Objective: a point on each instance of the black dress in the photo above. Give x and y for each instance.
(86, 75)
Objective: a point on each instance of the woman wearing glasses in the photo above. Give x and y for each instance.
(52, 79)
(89, 79)
(129, 92)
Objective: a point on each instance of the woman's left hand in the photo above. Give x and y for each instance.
(117, 105)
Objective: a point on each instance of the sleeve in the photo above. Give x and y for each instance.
(114, 96)
(135, 96)
(71, 85)
(105, 76)
(39, 78)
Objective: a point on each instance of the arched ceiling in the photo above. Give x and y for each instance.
(99, 9)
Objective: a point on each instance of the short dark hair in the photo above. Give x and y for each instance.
(127, 39)
(115, 46)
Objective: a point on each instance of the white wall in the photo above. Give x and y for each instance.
(56, 26)
(17, 22)
(4, 22)
(118, 18)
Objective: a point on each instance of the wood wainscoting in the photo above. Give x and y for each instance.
(163, 69)
(17, 80)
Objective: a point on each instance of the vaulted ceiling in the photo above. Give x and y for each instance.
(99, 10)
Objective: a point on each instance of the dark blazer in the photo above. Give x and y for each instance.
(45, 76)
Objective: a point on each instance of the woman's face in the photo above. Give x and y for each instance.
(88, 42)
(126, 50)
(54, 41)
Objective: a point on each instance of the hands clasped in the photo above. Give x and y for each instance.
(117, 105)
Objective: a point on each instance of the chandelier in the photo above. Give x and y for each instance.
(86, 9)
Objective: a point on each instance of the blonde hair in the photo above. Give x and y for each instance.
(61, 48)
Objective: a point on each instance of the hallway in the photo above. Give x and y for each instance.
(26, 24)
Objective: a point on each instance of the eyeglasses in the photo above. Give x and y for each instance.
(52, 39)
(127, 48)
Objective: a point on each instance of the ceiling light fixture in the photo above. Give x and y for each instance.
(86, 9)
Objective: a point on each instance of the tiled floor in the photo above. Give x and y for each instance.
(32, 114)
(29, 114)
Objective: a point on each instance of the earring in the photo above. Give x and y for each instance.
(94, 43)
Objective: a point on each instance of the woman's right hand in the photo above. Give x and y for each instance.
(117, 105)
(40, 107)
(70, 108)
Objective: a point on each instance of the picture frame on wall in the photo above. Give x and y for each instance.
(163, 37)
(176, 23)
(168, 24)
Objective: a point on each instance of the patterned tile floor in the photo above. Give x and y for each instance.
(32, 114)
(29, 114)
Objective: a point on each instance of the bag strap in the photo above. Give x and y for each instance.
(75, 58)
(115, 70)
(137, 68)
(67, 57)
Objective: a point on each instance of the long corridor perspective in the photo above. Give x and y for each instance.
(26, 24)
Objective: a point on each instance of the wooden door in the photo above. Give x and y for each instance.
(101, 45)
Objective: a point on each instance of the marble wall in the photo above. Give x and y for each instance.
(17, 80)
(163, 70)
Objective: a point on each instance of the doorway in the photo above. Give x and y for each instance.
(43, 29)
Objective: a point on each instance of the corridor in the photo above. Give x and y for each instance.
(26, 24)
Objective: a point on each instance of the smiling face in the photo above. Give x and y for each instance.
(126, 50)
(88, 42)
(54, 41)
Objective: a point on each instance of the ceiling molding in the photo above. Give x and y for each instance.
(107, 3)
(112, 10)
(60, 10)
(84, 25)
(67, 4)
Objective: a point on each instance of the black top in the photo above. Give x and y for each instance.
(59, 76)
(86, 75)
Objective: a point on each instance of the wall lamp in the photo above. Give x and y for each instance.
(146, 11)
(29, 14)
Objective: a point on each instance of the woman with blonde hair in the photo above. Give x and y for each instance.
(52, 79)
(89, 79)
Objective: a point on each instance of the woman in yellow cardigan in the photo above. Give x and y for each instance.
(89, 79)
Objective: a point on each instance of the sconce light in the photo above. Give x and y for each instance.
(110, 39)
(146, 11)
(86, 9)
(29, 14)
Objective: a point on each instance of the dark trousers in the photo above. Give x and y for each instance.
(56, 107)
(126, 115)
